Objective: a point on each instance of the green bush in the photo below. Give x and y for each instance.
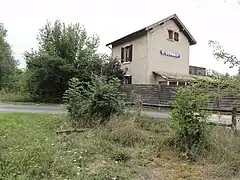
(94, 102)
(189, 120)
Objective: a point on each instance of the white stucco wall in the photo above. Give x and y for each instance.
(137, 68)
(158, 40)
(147, 58)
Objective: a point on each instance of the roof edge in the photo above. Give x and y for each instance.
(173, 17)
(128, 36)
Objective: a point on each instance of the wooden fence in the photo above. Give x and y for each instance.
(164, 94)
(234, 112)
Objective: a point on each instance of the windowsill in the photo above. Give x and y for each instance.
(126, 63)
(170, 40)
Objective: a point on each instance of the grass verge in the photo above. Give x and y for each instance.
(123, 149)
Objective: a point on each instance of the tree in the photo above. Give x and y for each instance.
(220, 54)
(112, 69)
(8, 64)
(230, 85)
(64, 52)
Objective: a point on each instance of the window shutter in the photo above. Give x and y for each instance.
(176, 36)
(130, 53)
(130, 80)
(122, 55)
(170, 34)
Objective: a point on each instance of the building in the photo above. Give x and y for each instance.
(199, 71)
(156, 54)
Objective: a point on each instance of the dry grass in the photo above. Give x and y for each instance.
(126, 132)
(127, 148)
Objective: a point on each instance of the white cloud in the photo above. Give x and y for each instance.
(205, 19)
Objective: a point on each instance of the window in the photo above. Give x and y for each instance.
(127, 79)
(162, 82)
(171, 83)
(173, 36)
(126, 54)
(176, 36)
(181, 83)
(170, 34)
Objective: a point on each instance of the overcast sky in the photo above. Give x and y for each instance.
(205, 19)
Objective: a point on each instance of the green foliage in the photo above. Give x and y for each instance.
(120, 155)
(30, 149)
(65, 51)
(189, 120)
(14, 97)
(220, 54)
(7, 62)
(98, 100)
(229, 85)
(112, 69)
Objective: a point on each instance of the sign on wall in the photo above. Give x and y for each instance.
(170, 54)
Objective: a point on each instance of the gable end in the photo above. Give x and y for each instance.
(143, 32)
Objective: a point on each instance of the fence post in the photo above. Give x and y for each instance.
(159, 95)
(234, 120)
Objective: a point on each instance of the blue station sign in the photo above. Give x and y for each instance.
(170, 54)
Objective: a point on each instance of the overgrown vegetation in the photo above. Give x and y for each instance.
(117, 145)
(9, 74)
(189, 120)
(64, 51)
(30, 149)
(94, 102)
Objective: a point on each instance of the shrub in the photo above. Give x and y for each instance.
(189, 120)
(94, 102)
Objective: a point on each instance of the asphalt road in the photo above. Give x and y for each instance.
(49, 109)
(58, 109)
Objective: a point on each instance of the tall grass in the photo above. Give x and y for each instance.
(125, 148)
(14, 97)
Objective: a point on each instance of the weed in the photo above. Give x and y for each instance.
(127, 132)
(125, 148)
(14, 97)
(120, 155)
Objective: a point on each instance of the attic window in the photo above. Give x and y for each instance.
(170, 34)
(173, 36)
(176, 36)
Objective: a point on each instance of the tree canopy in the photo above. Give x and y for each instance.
(64, 52)
(7, 62)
